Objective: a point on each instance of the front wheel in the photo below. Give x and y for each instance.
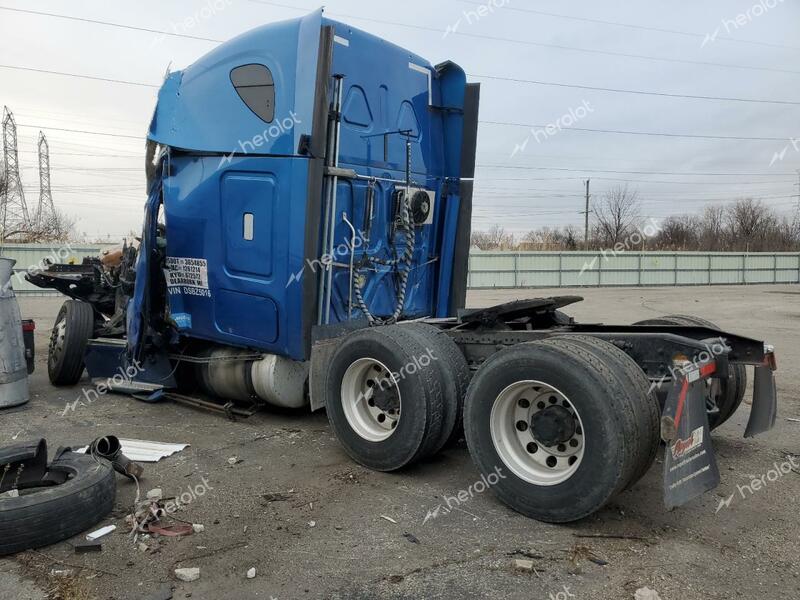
(73, 329)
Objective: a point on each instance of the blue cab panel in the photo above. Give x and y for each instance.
(242, 184)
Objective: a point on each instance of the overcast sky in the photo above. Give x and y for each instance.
(99, 179)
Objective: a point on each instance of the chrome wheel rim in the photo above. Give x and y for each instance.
(371, 399)
(525, 410)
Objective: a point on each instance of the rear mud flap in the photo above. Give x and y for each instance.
(690, 467)
(765, 402)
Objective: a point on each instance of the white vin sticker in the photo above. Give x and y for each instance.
(187, 272)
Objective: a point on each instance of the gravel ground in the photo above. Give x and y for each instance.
(316, 525)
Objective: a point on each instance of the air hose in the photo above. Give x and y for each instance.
(402, 264)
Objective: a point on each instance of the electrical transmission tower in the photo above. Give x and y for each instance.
(14, 220)
(45, 210)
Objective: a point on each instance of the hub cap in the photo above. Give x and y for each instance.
(371, 399)
(537, 432)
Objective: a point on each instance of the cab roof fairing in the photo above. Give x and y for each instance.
(199, 109)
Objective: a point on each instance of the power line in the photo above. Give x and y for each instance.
(685, 173)
(538, 44)
(639, 92)
(649, 133)
(109, 24)
(133, 137)
(93, 78)
(641, 27)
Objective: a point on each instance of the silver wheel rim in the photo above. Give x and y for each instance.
(57, 340)
(359, 385)
(514, 439)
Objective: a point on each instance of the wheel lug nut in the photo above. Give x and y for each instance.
(522, 426)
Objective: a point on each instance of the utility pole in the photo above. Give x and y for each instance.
(586, 218)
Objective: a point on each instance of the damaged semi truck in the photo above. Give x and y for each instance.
(305, 244)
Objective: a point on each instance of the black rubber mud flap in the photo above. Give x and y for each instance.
(690, 467)
(765, 402)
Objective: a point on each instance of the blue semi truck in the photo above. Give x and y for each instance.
(305, 244)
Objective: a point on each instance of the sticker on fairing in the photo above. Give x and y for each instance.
(187, 276)
(183, 320)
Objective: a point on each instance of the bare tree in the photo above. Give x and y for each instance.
(496, 238)
(678, 233)
(617, 216)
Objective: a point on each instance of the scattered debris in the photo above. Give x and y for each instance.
(578, 552)
(146, 452)
(10, 494)
(525, 553)
(90, 546)
(646, 593)
(188, 574)
(411, 537)
(251, 573)
(390, 519)
(96, 535)
(611, 536)
(155, 494)
(110, 448)
(523, 565)
(275, 497)
(198, 528)
(793, 420)
(170, 530)
(233, 460)
(312, 523)
(61, 573)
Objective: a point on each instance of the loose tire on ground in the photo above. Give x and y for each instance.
(731, 390)
(73, 329)
(412, 398)
(52, 514)
(603, 451)
(453, 376)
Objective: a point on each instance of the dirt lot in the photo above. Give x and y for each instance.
(314, 524)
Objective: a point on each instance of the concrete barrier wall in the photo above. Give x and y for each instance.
(606, 269)
(531, 269)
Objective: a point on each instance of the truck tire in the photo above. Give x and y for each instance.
(552, 423)
(646, 407)
(52, 514)
(73, 329)
(383, 402)
(731, 390)
(453, 376)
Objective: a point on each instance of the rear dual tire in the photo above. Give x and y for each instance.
(597, 431)
(731, 389)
